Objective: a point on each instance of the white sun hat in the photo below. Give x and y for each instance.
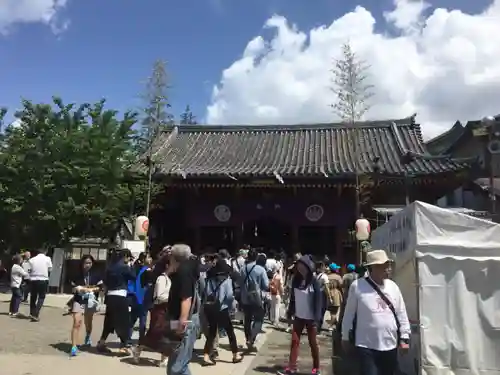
(376, 257)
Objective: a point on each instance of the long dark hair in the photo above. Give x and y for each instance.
(120, 254)
(298, 278)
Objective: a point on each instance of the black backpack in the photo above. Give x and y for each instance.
(211, 304)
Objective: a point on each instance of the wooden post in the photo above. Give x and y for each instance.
(197, 239)
(238, 231)
(338, 246)
(295, 239)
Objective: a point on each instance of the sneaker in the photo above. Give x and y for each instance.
(74, 351)
(286, 371)
(88, 340)
(315, 371)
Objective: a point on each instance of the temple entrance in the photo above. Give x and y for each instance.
(269, 233)
(317, 241)
(213, 239)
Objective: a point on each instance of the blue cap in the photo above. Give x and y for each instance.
(351, 267)
(334, 267)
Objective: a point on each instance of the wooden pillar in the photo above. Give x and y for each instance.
(295, 229)
(340, 256)
(238, 229)
(295, 238)
(197, 239)
(339, 233)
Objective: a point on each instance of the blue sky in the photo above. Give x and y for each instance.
(109, 46)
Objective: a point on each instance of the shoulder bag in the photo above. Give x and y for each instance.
(352, 332)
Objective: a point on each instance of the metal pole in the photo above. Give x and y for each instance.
(150, 178)
(407, 189)
(490, 122)
(492, 174)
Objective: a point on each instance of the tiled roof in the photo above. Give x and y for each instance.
(322, 150)
(441, 144)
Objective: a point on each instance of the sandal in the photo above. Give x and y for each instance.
(124, 350)
(205, 363)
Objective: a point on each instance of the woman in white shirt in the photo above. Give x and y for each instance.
(276, 289)
(17, 274)
(305, 307)
(158, 318)
(323, 282)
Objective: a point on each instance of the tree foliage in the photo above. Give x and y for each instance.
(156, 111)
(187, 117)
(350, 85)
(63, 173)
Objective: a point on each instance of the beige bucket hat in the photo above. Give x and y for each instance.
(376, 257)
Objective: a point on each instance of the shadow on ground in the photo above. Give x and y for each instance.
(273, 356)
(65, 347)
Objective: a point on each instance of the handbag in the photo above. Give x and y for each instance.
(171, 338)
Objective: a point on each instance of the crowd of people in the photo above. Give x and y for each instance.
(188, 296)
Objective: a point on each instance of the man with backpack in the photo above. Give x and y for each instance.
(254, 281)
(237, 264)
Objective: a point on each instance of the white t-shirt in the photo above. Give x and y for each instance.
(322, 280)
(271, 265)
(41, 265)
(303, 308)
(376, 326)
(16, 276)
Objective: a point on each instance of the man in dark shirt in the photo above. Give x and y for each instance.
(183, 306)
(183, 284)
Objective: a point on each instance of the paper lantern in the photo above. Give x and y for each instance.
(362, 229)
(141, 226)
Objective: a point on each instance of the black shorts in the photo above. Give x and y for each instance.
(333, 309)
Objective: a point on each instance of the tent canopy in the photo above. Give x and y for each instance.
(422, 229)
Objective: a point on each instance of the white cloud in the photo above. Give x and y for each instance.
(444, 67)
(14, 12)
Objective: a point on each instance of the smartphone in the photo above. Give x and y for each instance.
(174, 324)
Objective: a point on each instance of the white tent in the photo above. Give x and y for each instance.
(448, 269)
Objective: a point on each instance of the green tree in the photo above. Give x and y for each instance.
(187, 117)
(63, 172)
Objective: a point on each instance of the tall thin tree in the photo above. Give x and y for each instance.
(350, 84)
(156, 112)
(156, 115)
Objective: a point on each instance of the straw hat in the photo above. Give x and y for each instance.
(376, 257)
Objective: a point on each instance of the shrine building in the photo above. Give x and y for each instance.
(290, 187)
